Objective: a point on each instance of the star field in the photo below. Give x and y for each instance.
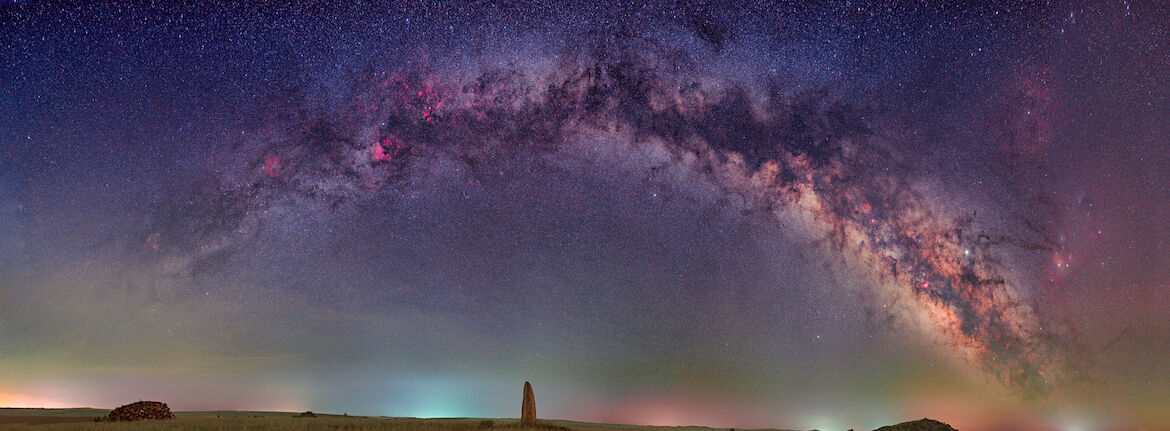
(751, 215)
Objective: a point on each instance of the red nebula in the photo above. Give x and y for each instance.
(378, 153)
(152, 241)
(385, 149)
(271, 166)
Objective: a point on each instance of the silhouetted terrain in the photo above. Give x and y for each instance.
(918, 425)
(230, 420)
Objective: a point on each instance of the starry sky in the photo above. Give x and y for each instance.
(738, 214)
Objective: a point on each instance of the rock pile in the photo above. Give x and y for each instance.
(923, 424)
(528, 406)
(142, 410)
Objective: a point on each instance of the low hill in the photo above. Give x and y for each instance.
(923, 424)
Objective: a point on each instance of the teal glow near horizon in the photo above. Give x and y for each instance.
(438, 396)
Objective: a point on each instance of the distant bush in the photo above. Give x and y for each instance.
(487, 423)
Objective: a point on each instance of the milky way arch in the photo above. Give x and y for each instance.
(803, 157)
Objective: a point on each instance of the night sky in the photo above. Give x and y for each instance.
(766, 214)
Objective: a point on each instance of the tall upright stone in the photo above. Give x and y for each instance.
(528, 407)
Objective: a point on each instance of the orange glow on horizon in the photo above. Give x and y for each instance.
(19, 400)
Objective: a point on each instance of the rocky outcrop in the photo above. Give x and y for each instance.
(141, 410)
(528, 406)
(918, 425)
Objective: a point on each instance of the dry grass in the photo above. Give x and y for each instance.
(293, 424)
(49, 420)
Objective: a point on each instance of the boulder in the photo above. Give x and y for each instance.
(142, 410)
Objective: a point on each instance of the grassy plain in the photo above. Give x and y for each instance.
(83, 420)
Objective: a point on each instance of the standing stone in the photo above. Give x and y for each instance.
(528, 407)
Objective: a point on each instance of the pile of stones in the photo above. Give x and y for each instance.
(141, 410)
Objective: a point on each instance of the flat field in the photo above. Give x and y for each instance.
(83, 419)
